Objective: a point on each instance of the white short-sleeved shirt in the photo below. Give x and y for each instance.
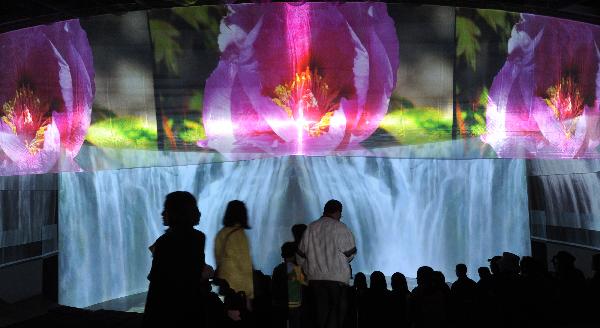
(326, 249)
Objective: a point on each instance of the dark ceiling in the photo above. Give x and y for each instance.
(24, 13)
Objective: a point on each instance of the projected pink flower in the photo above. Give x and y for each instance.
(46, 94)
(300, 79)
(543, 103)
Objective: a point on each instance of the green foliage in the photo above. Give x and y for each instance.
(196, 101)
(418, 125)
(475, 118)
(197, 17)
(166, 47)
(123, 132)
(205, 20)
(501, 22)
(467, 43)
(483, 98)
(496, 19)
(193, 131)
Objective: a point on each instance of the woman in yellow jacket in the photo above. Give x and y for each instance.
(232, 250)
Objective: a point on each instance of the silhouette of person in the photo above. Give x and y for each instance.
(232, 251)
(570, 283)
(287, 283)
(378, 301)
(463, 295)
(494, 264)
(400, 296)
(428, 304)
(508, 286)
(298, 231)
(594, 288)
(357, 300)
(485, 296)
(178, 277)
(325, 252)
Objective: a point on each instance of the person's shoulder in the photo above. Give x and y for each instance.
(198, 234)
(222, 232)
(341, 226)
(280, 268)
(164, 238)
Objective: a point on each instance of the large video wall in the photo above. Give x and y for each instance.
(268, 79)
(430, 110)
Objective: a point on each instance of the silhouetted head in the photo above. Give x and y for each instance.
(399, 282)
(298, 231)
(461, 270)
(424, 276)
(377, 281)
(484, 273)
(333, 209)
(494, 264)
(563, 260)
(236, 214)
(528, 266)
(288, 250)
(509, 263)
(180, 210)
(360, 281)
(438, 278)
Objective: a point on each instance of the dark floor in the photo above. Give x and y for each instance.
(39, 312)
(64, 316)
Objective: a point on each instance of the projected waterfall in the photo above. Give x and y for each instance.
(404, 213)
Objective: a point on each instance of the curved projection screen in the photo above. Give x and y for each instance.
(261, 80)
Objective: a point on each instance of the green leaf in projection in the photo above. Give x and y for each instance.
(496, 19)
(418, 125)
(196, 100)
(205, 20)
(123, 132)
(192, 132)
(197, 17)
(484, 97)
(467, 44)
(166, 48)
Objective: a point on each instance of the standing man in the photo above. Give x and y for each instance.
(325, 252)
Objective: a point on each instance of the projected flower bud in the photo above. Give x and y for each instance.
(544, 101)
(46, 94)
(300, 79)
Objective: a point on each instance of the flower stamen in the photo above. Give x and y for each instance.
(308, 98)
(25, 116)
(567, 104)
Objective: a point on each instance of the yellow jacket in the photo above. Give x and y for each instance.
(232, 254)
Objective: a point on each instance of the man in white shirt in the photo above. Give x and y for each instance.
(325, 252)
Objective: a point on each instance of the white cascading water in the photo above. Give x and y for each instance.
(404, 213)
(568, 190)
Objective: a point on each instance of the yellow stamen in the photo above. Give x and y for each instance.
(18, 116)
(307, 93)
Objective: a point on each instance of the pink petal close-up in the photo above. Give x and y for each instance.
(309, 79)
(46, 95)
(544, 101)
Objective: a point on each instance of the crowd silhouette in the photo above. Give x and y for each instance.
(302, 291)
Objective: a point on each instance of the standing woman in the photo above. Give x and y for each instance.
(178, 277)
(232, 251)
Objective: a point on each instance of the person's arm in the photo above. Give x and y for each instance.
(158, 261)
(347, 245)
(207, 270)
(302, 249)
